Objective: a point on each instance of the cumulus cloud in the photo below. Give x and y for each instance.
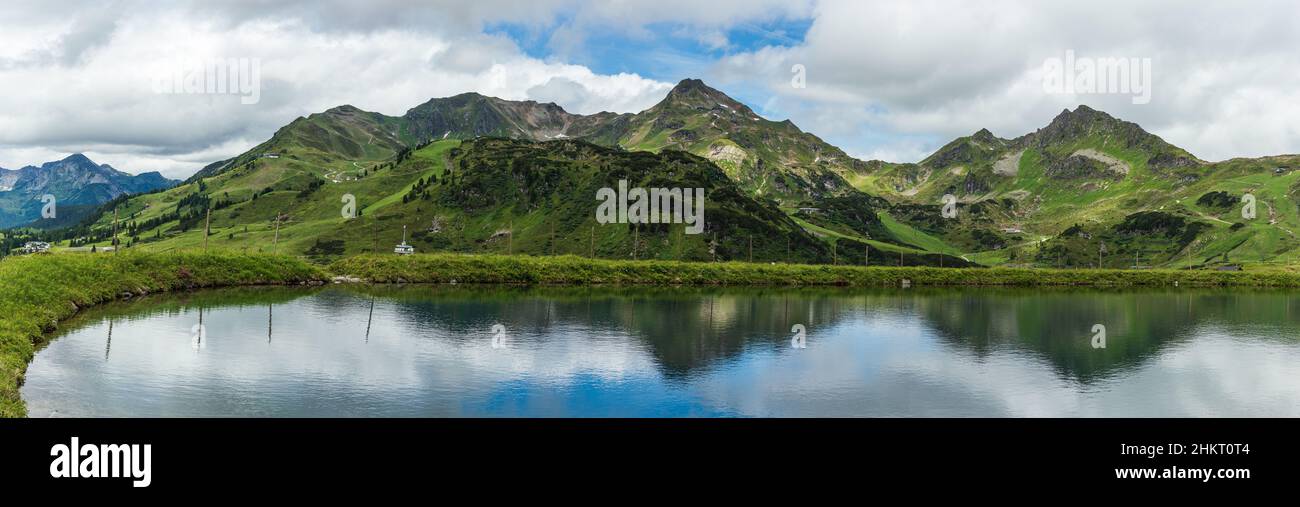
(886, 79)
(85, 82)
(1223, 74)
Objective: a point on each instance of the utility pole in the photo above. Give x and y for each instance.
(510, 239)
(276, 240)
(751, 248)
(114, 231)
(592, 254)
(866, 254)
(787, 249)
(207, 228)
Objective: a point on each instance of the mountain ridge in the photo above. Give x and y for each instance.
(1046, 197)
(77, 183)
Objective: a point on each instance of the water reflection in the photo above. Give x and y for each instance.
(507, 351)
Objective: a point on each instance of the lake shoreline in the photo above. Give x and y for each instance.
(38, 292)
(575, 270)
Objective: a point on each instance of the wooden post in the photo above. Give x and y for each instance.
(751, 248)
(593, 243)
(276, 241)
(866, 254)
(114, 231)
(207, 228)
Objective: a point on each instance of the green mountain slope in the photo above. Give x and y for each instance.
(478, 174)
(1053, 197)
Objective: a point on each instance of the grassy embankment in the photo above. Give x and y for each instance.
(442, 268)
(37, 292)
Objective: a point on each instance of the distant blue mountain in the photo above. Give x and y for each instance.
(78, 185)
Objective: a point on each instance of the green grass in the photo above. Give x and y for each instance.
(912, 236)
(568, 269)
(36, 292)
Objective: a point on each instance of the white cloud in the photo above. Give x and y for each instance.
(1224, 76)
(87, 85)
(887, 78)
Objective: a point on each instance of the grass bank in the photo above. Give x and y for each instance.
(443, 268)
(36, 292)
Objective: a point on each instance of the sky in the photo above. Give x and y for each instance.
(890, 80)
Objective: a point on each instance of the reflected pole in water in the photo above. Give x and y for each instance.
(710, 313)
(198, 343)
(109, 345)
(370, 318)
(269, 317)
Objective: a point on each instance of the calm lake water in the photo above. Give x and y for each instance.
(428, 351)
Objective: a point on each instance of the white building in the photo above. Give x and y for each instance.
(36, 247)
(404, 249)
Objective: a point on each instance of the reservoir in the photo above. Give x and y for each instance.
(478, 351)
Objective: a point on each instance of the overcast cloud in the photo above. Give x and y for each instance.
(889, 80)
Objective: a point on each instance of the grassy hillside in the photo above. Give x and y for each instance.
(1087, 190)
(488, 195)
(1054, 197)
(37, 292)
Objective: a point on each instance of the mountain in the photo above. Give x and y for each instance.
(78, 185)
(473, 173)
(1056, 195)
(774, 159)
(770, 159)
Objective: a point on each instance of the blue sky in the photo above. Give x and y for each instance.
(664, 51)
